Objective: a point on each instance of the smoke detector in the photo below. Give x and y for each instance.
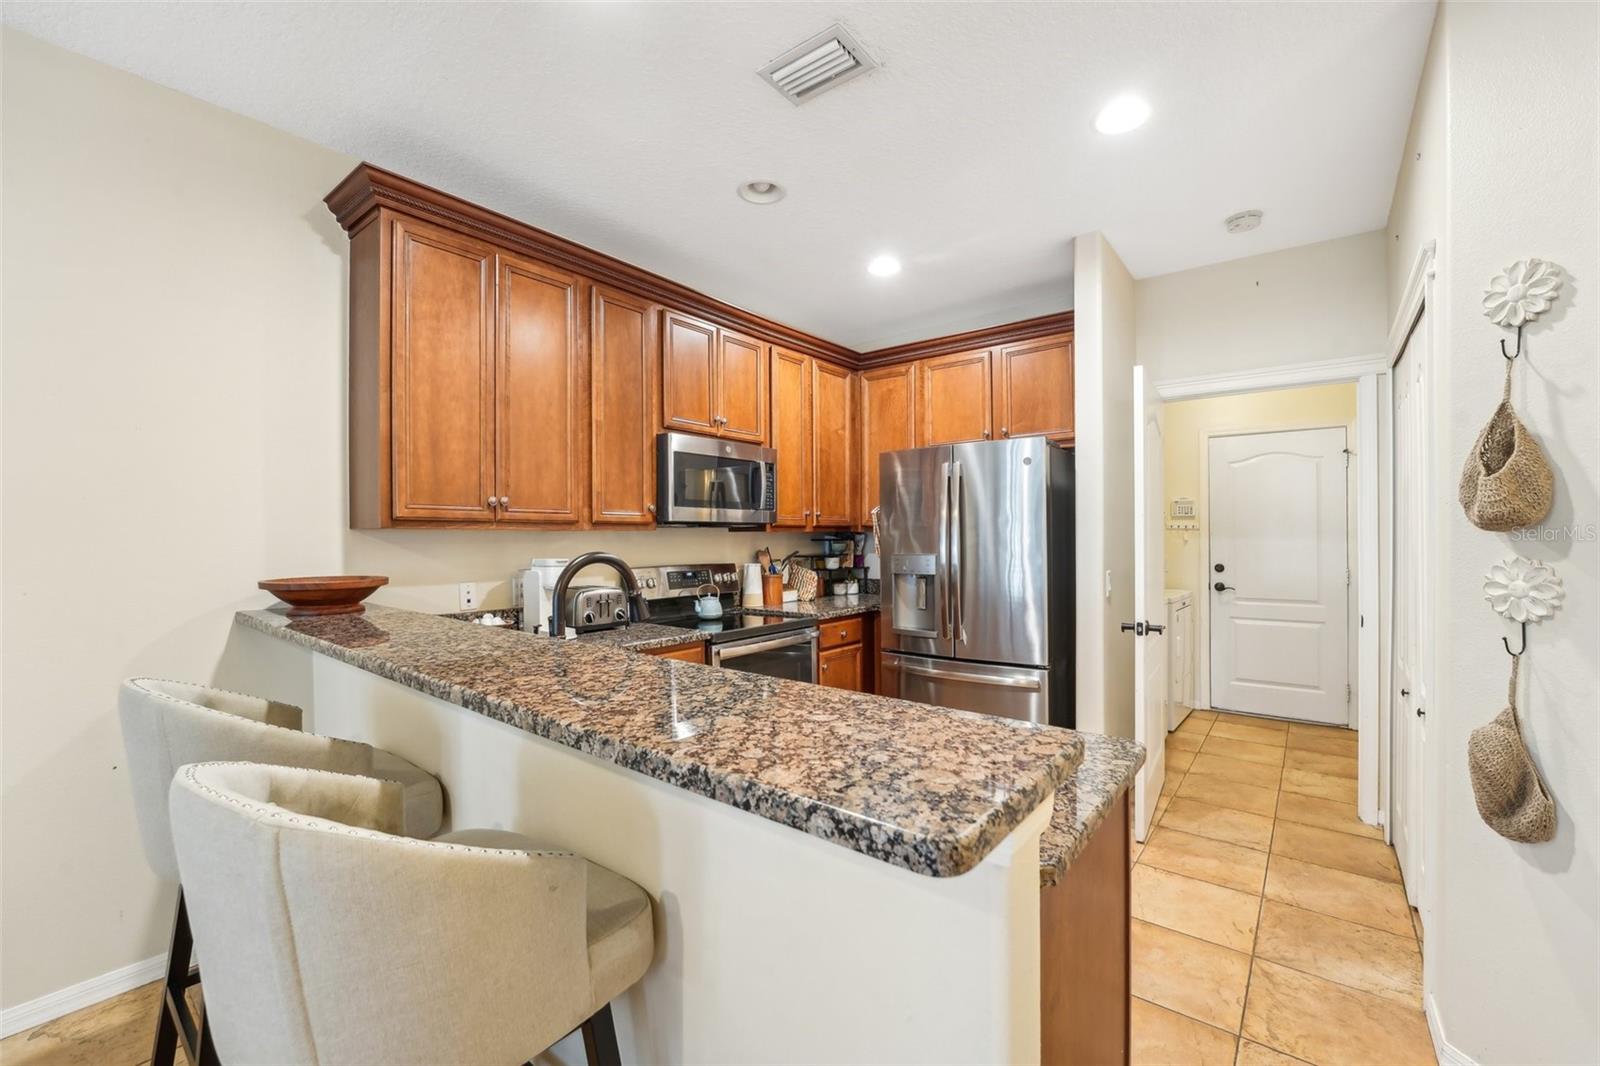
(1243, 222)
(818, 64)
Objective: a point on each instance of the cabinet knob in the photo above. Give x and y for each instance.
(807, 512)
(985, 434)
(493, 503)
(650, 507)
(505, 501)
(1004, 432)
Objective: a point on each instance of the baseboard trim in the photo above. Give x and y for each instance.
(1448, 1053)
(53, 1005)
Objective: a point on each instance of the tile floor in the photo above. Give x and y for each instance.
(1269, 923)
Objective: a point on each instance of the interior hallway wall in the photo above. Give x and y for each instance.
(174, 430)
(1513, 943)
(1103, 309)
(1310, 304)
(1184, 454)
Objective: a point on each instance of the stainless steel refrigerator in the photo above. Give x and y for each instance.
(976, 549)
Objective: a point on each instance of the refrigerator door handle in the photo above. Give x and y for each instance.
(915, 666)
(958, 623)
(941, 575)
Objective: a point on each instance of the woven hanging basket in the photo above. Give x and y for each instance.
(1511, 797)
(1506, 484)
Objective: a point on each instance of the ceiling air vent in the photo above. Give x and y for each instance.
(823, 62)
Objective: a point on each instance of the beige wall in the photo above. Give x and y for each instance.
(1103, 302)
(1185, 424)
(173, 419)
(1309, 304)
(1514, 938)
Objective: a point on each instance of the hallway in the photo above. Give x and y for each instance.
(1269, 923)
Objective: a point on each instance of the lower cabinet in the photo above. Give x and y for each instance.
(692, 652)
(843, 653)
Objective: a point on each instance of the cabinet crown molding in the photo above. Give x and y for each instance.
(988, 337)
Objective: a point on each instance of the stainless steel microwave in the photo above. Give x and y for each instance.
(703, 481)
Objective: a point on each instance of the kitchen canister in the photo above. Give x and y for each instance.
(751, 594)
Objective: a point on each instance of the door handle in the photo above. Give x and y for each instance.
(1220, 587)
(1405, 692)
(1143, 629)
(1151, 627)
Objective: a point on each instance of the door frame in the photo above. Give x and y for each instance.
(1374, 454)
(1202, 677)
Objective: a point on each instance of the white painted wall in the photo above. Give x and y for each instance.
(1103, 306)
(1310, 304)
(174, 430)
(1513, 944)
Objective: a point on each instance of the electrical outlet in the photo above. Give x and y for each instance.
(469, 595)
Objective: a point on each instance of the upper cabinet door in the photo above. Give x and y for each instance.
(741, 407)
(688, 374)
(791, 436)
(542, 423)
(954, 401)
(888, 423)
(442, 375)
(1033, 388)
(623, 413)
(833, 445)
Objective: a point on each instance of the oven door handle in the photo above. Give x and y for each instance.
(739, 649)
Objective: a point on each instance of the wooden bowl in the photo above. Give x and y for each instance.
(308, 596)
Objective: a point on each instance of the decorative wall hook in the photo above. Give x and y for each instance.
(1507, 642)
(1516, 353)
(1524, 292)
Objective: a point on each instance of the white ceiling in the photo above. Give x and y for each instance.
(970, 154)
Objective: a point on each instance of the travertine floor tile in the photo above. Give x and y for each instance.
(1160, 812)
(1313, 729)
(1185, 741)
(1192, 727)
(1380, 904)
(1323, 742)
(1253, 733)
(1320, 1021)
(1228, 865)
(1204, 716)
(1357, 956)
(1194, 978)
(1134, 848)
(1170, 783)
(1327, 847)
(1249, 773)
(1209, 912)
(1320, 762)
(1266, 754)
(1253, 721)
(1225, 793)
(1220, 823)
(1326, 814)
(1162, 1037)
(1178, 760)
(1254, 1054)
(1322, 786)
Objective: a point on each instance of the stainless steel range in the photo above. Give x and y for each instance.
(754, 643)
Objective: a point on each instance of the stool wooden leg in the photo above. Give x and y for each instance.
(164, 1050)
(600, 1039)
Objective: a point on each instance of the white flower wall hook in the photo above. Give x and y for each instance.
(1523, 590)
(1524, 292)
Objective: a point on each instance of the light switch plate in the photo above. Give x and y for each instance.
(469, 595)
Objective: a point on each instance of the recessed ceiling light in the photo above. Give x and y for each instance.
(761, 192)
(1127, 112)
(883, 266)
(1243, 222)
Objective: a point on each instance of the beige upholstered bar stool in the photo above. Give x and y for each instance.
(328, 939)
(166, 724)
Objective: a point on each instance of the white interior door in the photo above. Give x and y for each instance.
(1407, 796)
(1279, 573)
(1149, 604)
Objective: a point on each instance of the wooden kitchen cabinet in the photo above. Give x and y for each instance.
(791, 437)
(833, 454)
(713, 380)
(693, 652)
(844, 653)
(442, 422)
(888, 424)
(1033, 388)
(841, 667)
(622, 467)
(541, 410)
(954, 399)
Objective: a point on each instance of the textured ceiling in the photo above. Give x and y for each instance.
(970, 154)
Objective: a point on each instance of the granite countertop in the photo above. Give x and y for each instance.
(1106, 771)
(823, 607)
(925, 788)
(642, 636)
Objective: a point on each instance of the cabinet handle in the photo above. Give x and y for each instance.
(493, 503)
(505, 501)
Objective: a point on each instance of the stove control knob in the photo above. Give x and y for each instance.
(649, 582)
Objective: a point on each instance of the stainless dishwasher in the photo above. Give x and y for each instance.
(791, 655)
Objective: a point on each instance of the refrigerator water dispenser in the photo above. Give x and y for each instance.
(914, 609)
